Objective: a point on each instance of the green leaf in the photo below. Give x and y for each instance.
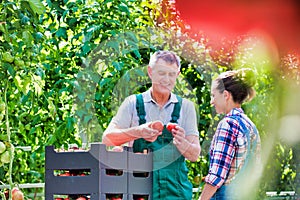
(25, 19)
(86, 48)
(51, 139)
(114, 45)
(3, 137)
(37, 6)
(72, 21)
(52, 108)
(11, 70)
(27, 37)
(124, 8)
(2, 28)
(61, 32)
(117, 65)
(137, 53)
(70, 124)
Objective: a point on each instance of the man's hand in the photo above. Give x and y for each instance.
(188, 146)
(179, 135)
(149, 134)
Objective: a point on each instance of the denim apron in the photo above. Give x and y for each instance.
(170, 181)
(231, 191)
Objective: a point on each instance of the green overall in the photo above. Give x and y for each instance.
(169, 168)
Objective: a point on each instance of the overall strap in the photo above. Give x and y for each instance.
(251, 146)
(176, 111)
(140, 144)
(140, 109)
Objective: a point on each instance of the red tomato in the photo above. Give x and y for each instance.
(171, 126)
(81, 198)
(158, 125)
(15, 189)
(65, 174)
(17, 194)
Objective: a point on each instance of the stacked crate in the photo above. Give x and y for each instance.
(113, 173)
(108, 174)
(139, 180)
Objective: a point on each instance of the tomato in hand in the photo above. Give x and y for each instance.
(171, 126)
(158, 125)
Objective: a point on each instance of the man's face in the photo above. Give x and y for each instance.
(163, 76)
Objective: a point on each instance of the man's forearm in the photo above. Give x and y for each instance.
(117, 137)
(190, 149)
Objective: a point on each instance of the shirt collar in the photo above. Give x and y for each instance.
(235, 111)
(148, 98)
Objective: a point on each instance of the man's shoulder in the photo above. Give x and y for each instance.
(131, 99)
(187, 101)
(187, 105)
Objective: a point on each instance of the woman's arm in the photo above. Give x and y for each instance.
(208, 192)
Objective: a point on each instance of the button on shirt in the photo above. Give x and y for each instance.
(229, 147)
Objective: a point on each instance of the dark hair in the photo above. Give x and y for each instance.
(168, 56)
(239, 83)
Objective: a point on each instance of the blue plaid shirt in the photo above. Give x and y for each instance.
(229, 147)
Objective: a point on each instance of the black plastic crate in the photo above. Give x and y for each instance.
(56, 184)
(113, 183)
(140, 183)
(104, 173)
(139, 161)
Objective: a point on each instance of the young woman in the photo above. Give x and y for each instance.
(236, 143)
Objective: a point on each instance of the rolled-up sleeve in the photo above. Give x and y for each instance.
(189, 118)
(125, 116)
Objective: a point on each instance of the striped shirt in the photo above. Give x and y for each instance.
(229, 147)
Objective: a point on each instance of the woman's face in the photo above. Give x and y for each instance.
(163, 76)
(218, 99)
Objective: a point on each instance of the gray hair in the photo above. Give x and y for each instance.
(168, 56)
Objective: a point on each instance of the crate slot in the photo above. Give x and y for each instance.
(111, 196)
(140, 197)
(114, 172)
(140, 174)
(72, 172)
(71, 197)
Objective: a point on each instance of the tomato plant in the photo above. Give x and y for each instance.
(65, 66)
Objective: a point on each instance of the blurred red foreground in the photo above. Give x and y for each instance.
(279, 19)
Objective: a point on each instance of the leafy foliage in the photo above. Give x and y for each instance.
(66, 66)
